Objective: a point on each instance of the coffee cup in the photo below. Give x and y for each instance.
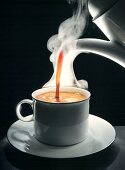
(58, 123)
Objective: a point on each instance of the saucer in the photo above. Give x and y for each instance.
(101, 135)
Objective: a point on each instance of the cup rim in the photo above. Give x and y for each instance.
(65, 89)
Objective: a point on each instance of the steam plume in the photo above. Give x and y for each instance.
(69, 30)
(73, 27)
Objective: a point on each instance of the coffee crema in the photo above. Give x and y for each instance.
(65, 97)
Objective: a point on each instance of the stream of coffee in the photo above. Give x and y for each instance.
(58, 74)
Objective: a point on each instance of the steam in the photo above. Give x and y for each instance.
(69, 30)
(73, 27)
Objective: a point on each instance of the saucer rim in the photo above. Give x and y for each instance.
(64, 157)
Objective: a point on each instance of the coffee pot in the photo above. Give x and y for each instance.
(108, 15)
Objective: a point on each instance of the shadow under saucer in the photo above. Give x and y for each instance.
(100, 160)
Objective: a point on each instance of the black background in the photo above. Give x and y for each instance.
(25, 27)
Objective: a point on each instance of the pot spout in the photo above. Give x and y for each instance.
(103, 48)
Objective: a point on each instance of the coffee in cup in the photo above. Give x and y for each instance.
(65, 97)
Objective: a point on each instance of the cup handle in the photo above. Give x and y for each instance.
(18, 110)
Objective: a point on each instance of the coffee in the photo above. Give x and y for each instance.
(65, 97)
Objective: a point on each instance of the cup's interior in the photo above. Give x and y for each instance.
(62, 89)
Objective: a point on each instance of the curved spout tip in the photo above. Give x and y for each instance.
(103, 48)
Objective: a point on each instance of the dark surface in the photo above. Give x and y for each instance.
(112, 158)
